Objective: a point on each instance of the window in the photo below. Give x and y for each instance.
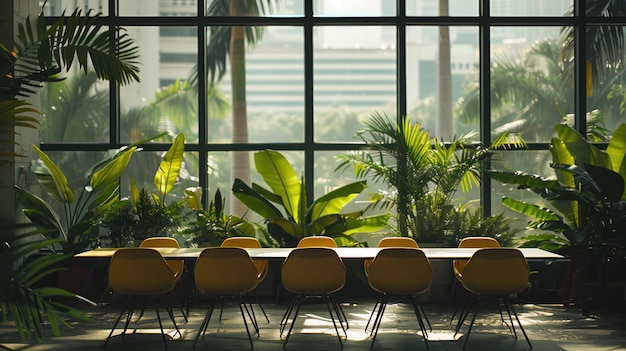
(320, 67)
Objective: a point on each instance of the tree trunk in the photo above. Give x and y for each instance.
(240, 161)
(444, 81)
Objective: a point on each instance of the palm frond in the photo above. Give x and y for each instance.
(42, 52)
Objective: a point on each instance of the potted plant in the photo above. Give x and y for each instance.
(584, 216)
(299, 218)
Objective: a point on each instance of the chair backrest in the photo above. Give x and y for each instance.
(391, 241)
(473, 242)
(225, 270)
(159, 241)
(313, 270)
(248, 242)
(177, 266)
(397, 241)
(319, 240)
(390, 272)
(140, 271)
(479, 242)
(496, 271)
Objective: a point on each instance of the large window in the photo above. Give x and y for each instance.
(316, 69)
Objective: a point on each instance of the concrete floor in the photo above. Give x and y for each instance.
(550, 327)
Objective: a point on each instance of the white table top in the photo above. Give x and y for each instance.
(343, 252)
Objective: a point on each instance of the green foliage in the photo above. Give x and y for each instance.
(42, 52)
(422, 173)
(128, 221)
(212, 225)
(463, 221)
(297, 218)
(27, 303)
(148, 214)
(586, 193)
(77, 228)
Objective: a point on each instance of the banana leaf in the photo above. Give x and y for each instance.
(54, 181)
(254, 200)
(169, 168)
(282, 179)
(335, 200)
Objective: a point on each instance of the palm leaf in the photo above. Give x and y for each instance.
(44, 51)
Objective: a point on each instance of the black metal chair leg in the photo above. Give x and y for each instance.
(520, 326)
(471, 324)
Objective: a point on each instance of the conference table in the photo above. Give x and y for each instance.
(347, 253)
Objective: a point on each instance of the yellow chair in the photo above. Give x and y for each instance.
(261, 265)
(318, 240)
(324, 241)
(459, 265)
(496, 273)
(390, 276)
(312, 271)
(177, 266)
(221, 271)
(140, 272)
(391, 241)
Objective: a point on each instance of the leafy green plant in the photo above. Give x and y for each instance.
(586, 193)
(77, 228)
(212, 225)
(298, 218)
(40, 54)
(422, 173)
(147, 214)
(21, 297)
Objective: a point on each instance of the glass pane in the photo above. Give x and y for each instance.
(531, 7)
(432, 7)
(605, 81)
(354, 8)
(265, 8)
(437, 75)
(158, 8)
(531, 162)
(273, 95)
(528, 94)
(354, 74)
(75, 109)
(164, 100)
(56, 7)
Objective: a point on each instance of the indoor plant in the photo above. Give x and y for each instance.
(146, 214)
(423, 175)
(40, 53)
(298, 217)
(584, 215)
